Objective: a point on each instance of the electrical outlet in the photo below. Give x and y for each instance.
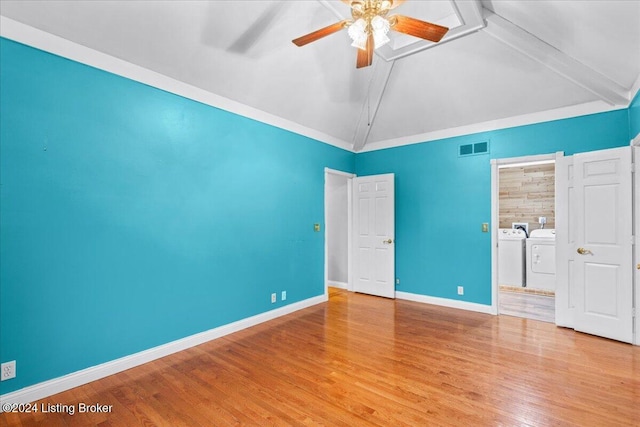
(8, 370)
(460, 290)
(273, 298)
(397, 281)
(284, 296)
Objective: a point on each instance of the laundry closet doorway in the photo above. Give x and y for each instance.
(523, 237)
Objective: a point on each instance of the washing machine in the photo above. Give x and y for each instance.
(541, 259)
(511, 257)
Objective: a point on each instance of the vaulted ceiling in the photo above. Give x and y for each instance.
(502, 62)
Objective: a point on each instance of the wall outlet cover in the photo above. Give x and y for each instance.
(8, 370)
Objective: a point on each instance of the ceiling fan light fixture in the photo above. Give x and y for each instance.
(380, 27)
(357, 6)
(358, 33)
(380, 39)
(380, 24)
(369, 28)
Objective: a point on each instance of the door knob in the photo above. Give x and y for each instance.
(388, 241)
(583, 251)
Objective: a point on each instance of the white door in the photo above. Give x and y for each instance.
(374, 234)
(636, 217)
(602, 271)
(565, 242)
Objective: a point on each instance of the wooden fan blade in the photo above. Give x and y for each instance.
(417, 28)
(322, 32)
(365, 57)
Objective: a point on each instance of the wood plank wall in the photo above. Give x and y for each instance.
(527, 193)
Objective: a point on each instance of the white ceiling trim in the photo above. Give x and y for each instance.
(47, 42)
(377, 85)
(559, 62)
(470, 14)
(634, 89)
(492, 125)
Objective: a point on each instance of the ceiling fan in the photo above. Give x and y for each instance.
(370, 26)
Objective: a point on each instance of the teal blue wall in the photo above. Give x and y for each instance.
(442, 199)
(634, 116)
(131, 217)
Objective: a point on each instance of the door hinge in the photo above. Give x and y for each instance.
(633, 167)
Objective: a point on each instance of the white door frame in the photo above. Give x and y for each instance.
(495, 210)
(349, 176)
(635, 143)
(565, 232)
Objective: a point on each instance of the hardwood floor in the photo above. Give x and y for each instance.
(360, 360)
(528, 305)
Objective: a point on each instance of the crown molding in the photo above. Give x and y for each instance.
(635, 89)
(30, 36)
(493, 125)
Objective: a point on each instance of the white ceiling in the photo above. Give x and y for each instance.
(501, 59)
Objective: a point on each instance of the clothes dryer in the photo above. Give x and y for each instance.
(541, 259)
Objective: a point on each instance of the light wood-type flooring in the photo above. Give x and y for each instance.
(528, 305)
(360, 360)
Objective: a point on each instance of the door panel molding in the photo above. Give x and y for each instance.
(374, 235)
(603, 216)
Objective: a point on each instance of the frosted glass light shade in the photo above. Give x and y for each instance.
(380, 27)
(358, 33)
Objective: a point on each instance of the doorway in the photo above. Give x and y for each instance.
(338, 220)
(523, 237)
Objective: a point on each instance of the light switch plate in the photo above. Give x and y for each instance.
(316, 227)
(485, 227)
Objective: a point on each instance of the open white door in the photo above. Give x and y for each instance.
(374, 234)
(636, 254)
(603, 263)
(565, 241)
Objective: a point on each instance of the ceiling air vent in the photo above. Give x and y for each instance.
(476, 148)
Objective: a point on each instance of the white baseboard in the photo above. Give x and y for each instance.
(57, 385)
(334, 284)
(445, 302)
